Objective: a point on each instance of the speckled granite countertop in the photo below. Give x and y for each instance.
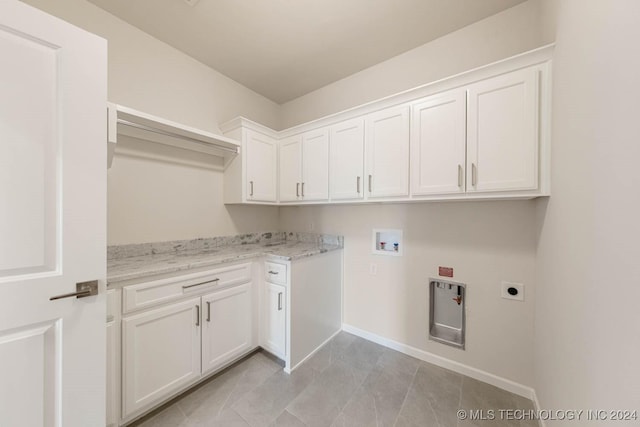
(130, 262)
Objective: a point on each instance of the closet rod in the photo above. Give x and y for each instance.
(175, 135)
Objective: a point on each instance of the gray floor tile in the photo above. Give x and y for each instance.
(433, 398)
(264, 404)
(350, 382)
(170, 417)
(379, 399)
(228, 418)
(477, 395)
(286, 419)
(321, 402)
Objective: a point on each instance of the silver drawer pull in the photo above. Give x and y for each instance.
(199, 284)
(197, 315)
(279, 301)
(83, 289)
(208, 311)
(273, 272)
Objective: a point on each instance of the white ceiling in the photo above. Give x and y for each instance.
(283, 49)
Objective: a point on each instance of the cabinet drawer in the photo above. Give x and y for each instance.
(275, 273)
(136, 297)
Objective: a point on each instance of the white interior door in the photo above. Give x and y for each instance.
(52, 220)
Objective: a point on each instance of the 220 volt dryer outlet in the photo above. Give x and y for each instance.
(513, 291)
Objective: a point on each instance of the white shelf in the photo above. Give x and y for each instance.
(129, 122)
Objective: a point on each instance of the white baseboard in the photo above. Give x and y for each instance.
(458, 367)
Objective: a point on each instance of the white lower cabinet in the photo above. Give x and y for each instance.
(169, 347)
(275, 325)
(226, 326)
(301, 306)
(161, 353)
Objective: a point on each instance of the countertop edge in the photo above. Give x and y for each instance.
(117, 281)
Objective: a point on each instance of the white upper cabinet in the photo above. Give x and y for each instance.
(346, 163)
(304, 167)
(483, 134)
(438, 144)
(387, 152)
(502, 133)
(290, 169)
(251, 177)
(315, 165)
(262, 154)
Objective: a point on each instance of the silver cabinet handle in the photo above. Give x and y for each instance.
(208, 311)
(474, 174)
(369, 183)
(297, 189)
(303, 189)
(460, 176)
(358, 185)
(200, 284)
(273, 272)
(251, 185)
(197, 315)
(279, 301)
(83, 289)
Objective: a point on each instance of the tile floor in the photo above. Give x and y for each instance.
(350, 382)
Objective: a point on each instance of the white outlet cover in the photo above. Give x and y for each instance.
(518, 286)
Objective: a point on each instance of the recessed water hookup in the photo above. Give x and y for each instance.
(387, 242)
(447, 312)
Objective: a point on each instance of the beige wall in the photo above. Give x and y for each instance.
(510, 32)
(485, 242)
(157, 193)
(588, 258)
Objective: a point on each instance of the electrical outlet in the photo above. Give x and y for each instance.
(513, 291)
(312, 226)
(373, 268)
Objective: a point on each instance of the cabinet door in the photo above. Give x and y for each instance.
(315, 165)
(346, 162)
(161, 353)
(275, 319)
(226, 326)
(502, 133)
(438, 144)
(290, 169)
(387, 152)
(261, 155)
